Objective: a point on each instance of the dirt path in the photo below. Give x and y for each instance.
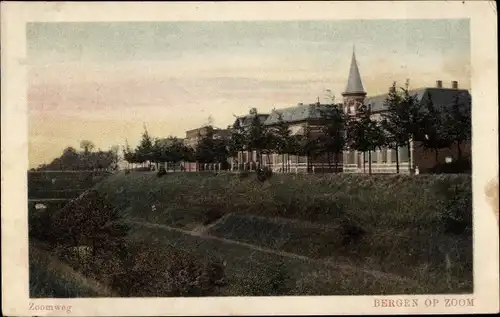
(342, 267)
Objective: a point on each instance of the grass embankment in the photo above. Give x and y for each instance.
(50, 277)
(418, 227)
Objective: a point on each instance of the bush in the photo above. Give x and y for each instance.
(146, 270)
(39, 226)
(455, 167)
(161, 171)
(456, 203)
(264, 174)
(88, 220)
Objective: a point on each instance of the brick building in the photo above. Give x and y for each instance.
(305, 119)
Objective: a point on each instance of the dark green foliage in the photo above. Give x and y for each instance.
(163, 271)
(89, 220)
(402, 120)
(39, 226)
(462, 166)
(456, 201)
(364, 134)
(264, 173)
(333, 139)
(458, 119)
(161, 171)
(212, 150)
(434, 133)
(71, 159)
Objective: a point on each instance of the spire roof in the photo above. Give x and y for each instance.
(354, 83)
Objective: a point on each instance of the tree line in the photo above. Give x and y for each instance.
(406, 119)
(86, 159)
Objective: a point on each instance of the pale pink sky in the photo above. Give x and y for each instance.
(101, 81)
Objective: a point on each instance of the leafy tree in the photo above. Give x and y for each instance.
(401, 122)
(87, 146)
(434, 135)
(128, 154)
(282, 139)
(212, 150)
(257, 137)
(458, 122)
(145, 149)
(236, 143)
(333, 140)
(364, 134)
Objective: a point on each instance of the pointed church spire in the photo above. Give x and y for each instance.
(354, 83)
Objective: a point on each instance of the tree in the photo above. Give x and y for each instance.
(145, 149)
(236, 143)
(458, 122)
(128, 154)
(212, 150)
(256, 136)
(364, 134)
(282, 139)
(401, 122)
(434, 135)
(333, 140)
(87, 146)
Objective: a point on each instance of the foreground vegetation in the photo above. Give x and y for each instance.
(341, 234)
(413, 226)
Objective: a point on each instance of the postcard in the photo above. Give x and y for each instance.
(249, 158)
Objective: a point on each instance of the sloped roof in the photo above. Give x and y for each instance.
(246, 120)
(298, 113)
(440, 97)
(354, 83)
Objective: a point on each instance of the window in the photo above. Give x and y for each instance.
(403, 154)
(383, 155)
(393, 156)
(374, 156)
(302, 159)
(365, 156)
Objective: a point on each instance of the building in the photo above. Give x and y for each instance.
(305, 119)
(384, 160)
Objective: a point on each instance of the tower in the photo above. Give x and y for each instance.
(354, 93)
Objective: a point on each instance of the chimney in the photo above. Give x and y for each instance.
(439, 84)
(454, 84)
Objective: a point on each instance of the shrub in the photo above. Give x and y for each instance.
(264, 173)
(89, 220)
(147, 270)
(161, 171)
(455, 167)
(39, 226)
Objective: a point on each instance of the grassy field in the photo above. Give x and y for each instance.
(291, 235)
(417, 227)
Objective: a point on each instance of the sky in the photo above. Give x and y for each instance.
(104, 81)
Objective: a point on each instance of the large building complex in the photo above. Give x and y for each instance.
(306, 119)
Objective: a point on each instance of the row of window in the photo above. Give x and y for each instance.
(379, 156)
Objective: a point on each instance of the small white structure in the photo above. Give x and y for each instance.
(448, 159)
(40, 206)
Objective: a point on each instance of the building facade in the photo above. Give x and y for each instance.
(304, 119)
